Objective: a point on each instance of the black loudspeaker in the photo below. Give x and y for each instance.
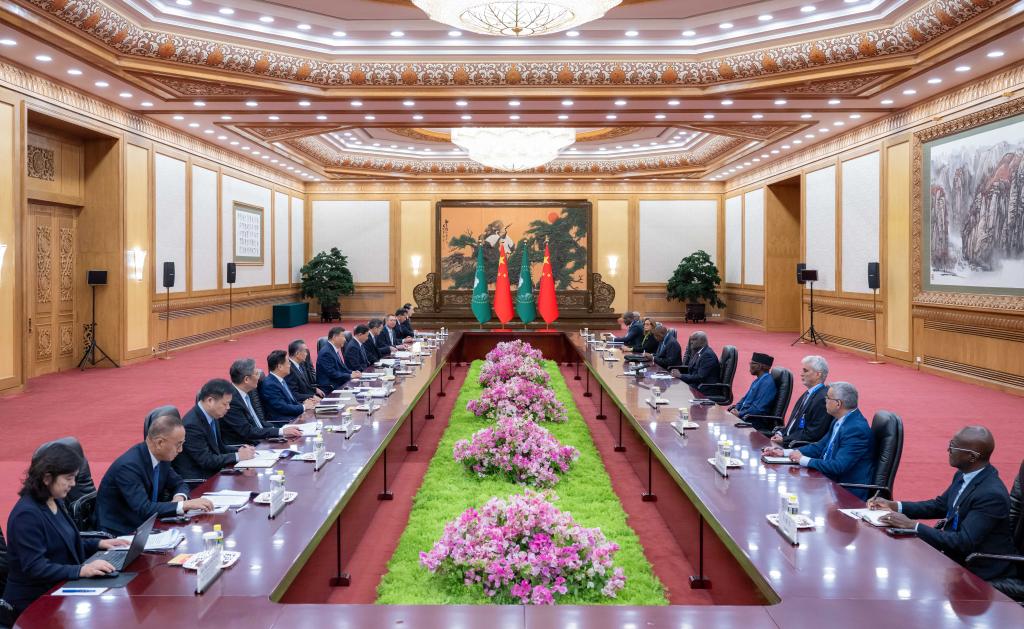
(809, 275)
(168, 274)
(231, 273)
(96, 278)
(800, 266)
(874, 281)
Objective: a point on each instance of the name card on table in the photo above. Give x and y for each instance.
(789, 528)
(208, 571)
(277, 503)
(320, 460)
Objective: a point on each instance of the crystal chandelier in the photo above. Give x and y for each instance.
(515, 18)
(513, 148)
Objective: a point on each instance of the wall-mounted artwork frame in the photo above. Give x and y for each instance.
(248, 222)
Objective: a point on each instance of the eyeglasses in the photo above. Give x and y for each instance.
(832, 399)
(950, 447)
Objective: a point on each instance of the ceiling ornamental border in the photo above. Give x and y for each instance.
(65, 97)
(499, 187)
(907, 35)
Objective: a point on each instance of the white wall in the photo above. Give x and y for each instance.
(237, 190)
(298, 237)
(753, 237)
(861, 196)
(734, 240)
(170, 185)
(282, 239)
(820, 231)
(672, 230)
(204, 229)
(361, 230)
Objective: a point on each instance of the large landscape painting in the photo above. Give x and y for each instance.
(518, 228)
(974, 209)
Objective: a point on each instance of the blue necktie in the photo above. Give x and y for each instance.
(287, 391)
(828, 449)
(156, 482)
(213, 427)
(252, 412)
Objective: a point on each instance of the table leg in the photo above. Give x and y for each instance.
(451, 375)
(587, 393)
(430, 412)
(699, 581)
(648, 496)
(386, 494)
(600, 405)
(577, 376)
(441, 393)
(620, 447)
(412, 447)
(341, 578)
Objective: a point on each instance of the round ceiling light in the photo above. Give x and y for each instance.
(515, 18)
(513, 148)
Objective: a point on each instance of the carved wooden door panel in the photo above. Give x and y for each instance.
(51, 295)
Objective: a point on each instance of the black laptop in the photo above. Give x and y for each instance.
(119, 557)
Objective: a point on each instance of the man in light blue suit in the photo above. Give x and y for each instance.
(279, 404)
(847, 453)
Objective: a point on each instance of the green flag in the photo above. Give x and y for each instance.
(526, 305)
(481, 304)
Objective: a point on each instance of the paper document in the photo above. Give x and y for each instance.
(661, 376)
(65, 591)
(164, 540)
(256, 462)
(777, 460)
(871, 516)
(267, 454)
(220, 500)
(308, 429)
(402, 354)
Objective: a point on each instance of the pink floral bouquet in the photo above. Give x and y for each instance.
(519, 449)
(514, 349)
(525, 550)
(510, 367)
(518, 397)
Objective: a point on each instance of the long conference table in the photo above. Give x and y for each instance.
(843, 573)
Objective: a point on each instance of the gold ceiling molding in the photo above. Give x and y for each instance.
(849, 86)
(75, 102)
(909, 34)
(282, 131)
(407, 3)
(187, 88)
(985, 89)
(431, 135)
(494, 187)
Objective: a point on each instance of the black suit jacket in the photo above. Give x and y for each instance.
(402, 331)
(371, 349)
(203, 455)
(646, 344)
(978, 523)
(356, 357)
(702, 368)
(299, 382)
(634, 333)
(41, 555)
(383, 344)
(817, 422)
(407, 328)
(125, 499)
(237, 426)
(1016, 505)
(671, 355)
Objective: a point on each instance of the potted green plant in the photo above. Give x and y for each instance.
(695, 282)
(326, 278)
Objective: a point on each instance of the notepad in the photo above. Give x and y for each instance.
(164, 540)
(228, 501)
(871, 516)
(308, 429)
(778, 460)
(661, 376)
(256, 462)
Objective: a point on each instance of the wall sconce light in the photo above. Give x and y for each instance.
(416, 261)
(3, 254)
(136, 264)
(613, 265)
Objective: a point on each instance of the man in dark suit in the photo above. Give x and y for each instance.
(403, 330)
(634, 329)
(809, 420)
(975, 509)
(205, 453)
(407, 324)
(382, 339)
(392, 335)
(302, 386)
(279, 403)
(372, 352)
(847, 453)
(331, 371)
(356, 356)
(700, 361)
(142, 482)
(245, 421)
(669, 353)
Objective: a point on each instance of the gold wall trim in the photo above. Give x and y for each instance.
(557, 188)
(217, 304)
(79, 103)
(956, 328)
(969, 319)
(962, 369)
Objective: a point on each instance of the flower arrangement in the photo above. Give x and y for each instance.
(514, 349)
(519, 398)
(519, 449)
(525, 550)
(509, 367)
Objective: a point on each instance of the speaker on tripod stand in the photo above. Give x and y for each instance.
(874, 283)
(809, 276)
(95, 278)
(230, 280)
(168, 284)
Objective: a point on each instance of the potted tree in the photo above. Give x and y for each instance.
(326, 278)
(695, 282)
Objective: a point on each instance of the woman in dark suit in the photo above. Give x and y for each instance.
(647, 343)
(44, 547)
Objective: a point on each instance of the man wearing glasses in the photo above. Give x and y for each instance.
(847, 453)
(975, 509)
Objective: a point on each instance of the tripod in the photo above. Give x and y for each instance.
(810, 334)
(90, 352)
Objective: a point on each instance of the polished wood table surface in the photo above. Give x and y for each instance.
(844, 572)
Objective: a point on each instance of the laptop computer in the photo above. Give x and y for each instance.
(119, 557)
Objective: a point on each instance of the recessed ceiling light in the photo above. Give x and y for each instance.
(146, 103)
(409, 103)
(780, 101)
(454, 33)
(178, 117)
(572, 34)
(225, 117)
(709, 116)
(223, 137)
(304, 103)
(689, 33)
(834, 101)
(8, 42)
(44, 58)
(397, 34)
(184, 3)
(620, 103)
(611, 117)
(251, 103)
(563, 117)
(786, 147)
(198, 103)
(466, 117)
(798, 141)
(659, 116)
(809, 136)
(838, 123)
(75, 72)
(461, 103)
(766, 17)
(417, 117)
(854, 116)
(369, 117)
(226, 11)
(962, 68)
(339, 33)
(125, 94)
(995, 54)
(321, 117)
(808, 8)
(273, 117)
(824, 130)
(806, 116)
(101, 84)
(757, 116)
(356, 103)
(886, 101)
(764, 155)
(208, 131)
(514, 103)
(673, 103)
(909, 92)
(193, 124)
(934, 80)
(775, 151)
(631, 33)
(725, 26)
(303, 27)
(727, 102)
(234, 143)
(513, 117)
(266, 19)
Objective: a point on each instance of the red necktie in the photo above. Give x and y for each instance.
(341, 357)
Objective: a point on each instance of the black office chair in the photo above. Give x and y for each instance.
(83, 480)
(766, 424)
(887, 431)
(159, 411)
(83, 514)
(320, 343)
(721, 392)
(1010, 586)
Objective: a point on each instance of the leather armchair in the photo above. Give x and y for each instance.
(83, 480)
(721, 392)
(887, 430)
(783, 393)
(83, 513)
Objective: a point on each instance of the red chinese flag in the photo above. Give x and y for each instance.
(503, 290)
(547, 303)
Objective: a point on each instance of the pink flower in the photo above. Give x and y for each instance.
(518, 449)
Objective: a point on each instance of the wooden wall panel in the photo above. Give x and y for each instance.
(744, 305)
(416, 238)
(54, 168)
(10, 321)
(137, 233)
(612, 237)
(782, 252)
(896, 252)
